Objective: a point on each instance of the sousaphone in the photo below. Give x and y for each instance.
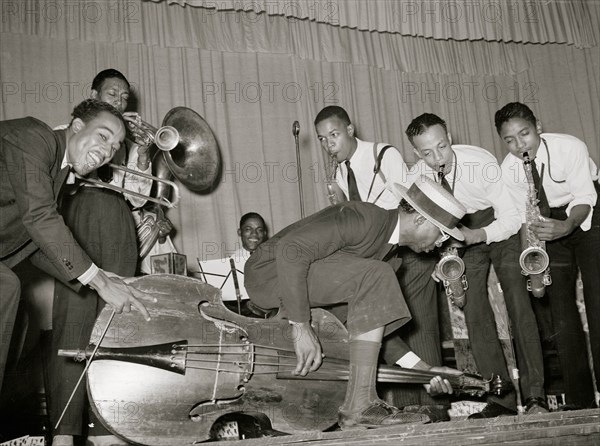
(195, 161)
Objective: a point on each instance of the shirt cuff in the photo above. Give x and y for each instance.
(89, 275)
(488, 236)
(492, 234)
(408, 361)
(496, 233)
(587, 223)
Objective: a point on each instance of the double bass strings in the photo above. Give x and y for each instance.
(286, 359)
(284, 363)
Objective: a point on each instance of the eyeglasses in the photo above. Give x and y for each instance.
(439, 242)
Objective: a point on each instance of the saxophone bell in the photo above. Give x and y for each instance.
(451, 270)
(534, 262)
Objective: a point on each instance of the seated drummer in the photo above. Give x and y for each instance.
(334, 256)
(252, 232)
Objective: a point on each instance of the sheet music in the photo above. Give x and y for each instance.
(218, 274)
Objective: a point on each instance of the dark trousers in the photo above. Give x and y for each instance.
(422, 333)
(580, 250)
(368, 287)
(102, 223)
(10, 293)
(481, 323)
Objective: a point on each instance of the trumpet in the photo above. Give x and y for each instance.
(165, 138)
(534, 260)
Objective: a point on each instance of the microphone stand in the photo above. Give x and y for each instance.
(296, 132)
(236, 284)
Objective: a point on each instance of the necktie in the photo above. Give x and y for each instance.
(68, 187)
(353, 193)
(541, 194)
(391, 253)
(444, 182)
(105, 173)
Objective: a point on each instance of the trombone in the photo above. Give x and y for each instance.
(166, 139)
(162, 200)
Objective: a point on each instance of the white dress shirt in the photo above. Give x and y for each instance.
(476, 182)
(362, 162)
(567, 175)
(91, 272)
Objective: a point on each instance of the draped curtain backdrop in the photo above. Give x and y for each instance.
(251, 68)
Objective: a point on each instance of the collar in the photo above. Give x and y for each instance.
(452, 171)
(66, 163)
(540, 154)
(358, 142)
(395, 237)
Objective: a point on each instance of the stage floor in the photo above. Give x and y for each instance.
(580, 427)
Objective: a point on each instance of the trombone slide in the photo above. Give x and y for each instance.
(162, 201)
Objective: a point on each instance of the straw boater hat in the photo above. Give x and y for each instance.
(434, 203)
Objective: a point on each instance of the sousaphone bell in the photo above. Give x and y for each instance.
(195, 161)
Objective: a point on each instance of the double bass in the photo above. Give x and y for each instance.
(169, 380)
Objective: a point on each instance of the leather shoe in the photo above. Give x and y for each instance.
(535, 404)
(492, 410)
(436, 413)
(567, 407)
(105, 440)
(62, 440)
(378, 414)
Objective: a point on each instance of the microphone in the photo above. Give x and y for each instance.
(296, 129)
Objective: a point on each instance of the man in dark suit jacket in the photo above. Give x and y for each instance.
(335, 256)
(35, 163)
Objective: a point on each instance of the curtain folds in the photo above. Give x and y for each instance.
(162, 26)
(491, 20)
(251, 80)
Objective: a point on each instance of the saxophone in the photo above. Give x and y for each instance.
(534, 260)
(330, 171)
(451, 269)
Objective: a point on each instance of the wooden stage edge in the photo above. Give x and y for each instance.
(580, 427)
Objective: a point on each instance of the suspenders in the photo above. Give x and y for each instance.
(377, 169)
